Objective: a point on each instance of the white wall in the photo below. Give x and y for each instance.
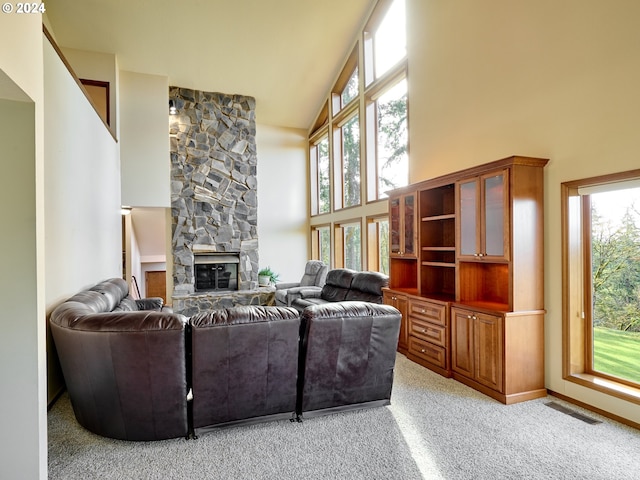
(543, 78)
(82, 189)
(23, 432)
(283, 228)
(144, 140)
(97, 66)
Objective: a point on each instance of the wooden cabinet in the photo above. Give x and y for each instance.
(477, 347)
(429, 334)
(483, 227)
(474, 282)
(399, 301)
(402, 229)
(501, 355)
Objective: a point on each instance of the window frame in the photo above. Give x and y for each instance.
(577, 349)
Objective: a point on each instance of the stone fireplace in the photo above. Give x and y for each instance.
(214, 197)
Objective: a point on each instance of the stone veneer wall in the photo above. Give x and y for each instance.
(213, 183)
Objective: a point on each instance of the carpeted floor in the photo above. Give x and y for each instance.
(436, 428)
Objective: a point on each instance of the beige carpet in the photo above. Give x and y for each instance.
(436, 428)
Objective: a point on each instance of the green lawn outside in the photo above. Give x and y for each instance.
(617, 353)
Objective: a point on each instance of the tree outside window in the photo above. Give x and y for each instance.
(350, 134)
(392, 138)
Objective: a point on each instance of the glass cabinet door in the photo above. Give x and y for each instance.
(469, 218)
(409, 222)
(493, 212)
(394, 225)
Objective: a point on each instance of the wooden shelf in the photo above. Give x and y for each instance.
(439, 264)
(449, 216)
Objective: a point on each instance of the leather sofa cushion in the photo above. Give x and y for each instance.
(337, 284)
(367, 287)
(114, 290)
(244, 364)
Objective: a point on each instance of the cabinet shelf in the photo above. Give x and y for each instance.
(439, 249)
(439, 264)
(435, 218)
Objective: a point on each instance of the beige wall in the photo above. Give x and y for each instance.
(97, 66)
(283, 228)
(82, 189)
(23, 435)
(543, 78)
(144, 140)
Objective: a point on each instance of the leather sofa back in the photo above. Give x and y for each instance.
(348, 356)
(345, 284)
(367, 287)
(245, 363)
(337, 284)
(125, 372)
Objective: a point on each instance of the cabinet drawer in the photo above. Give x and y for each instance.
(428, 331)
(427, 351)
(428, 312)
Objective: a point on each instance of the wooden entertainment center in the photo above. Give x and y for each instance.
(466, 271)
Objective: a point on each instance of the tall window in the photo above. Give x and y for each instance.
(388, 146)
(602, 279)
(359, 142)
(385, 39)
(349, 141)
(324, 202)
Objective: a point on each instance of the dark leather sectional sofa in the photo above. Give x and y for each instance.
(152, 375)
(343, 284)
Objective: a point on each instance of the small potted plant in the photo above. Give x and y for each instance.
(266, 277)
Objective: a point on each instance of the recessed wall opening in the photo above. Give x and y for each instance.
(216, 272)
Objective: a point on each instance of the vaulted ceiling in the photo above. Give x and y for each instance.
(285, 53)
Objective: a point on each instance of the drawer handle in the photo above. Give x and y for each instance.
(423, 351)
(424, 311)
(424, 330)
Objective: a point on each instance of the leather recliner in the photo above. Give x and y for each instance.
(344, 284)
(315, 273)
(245, 364)
(125, 371)
(347, 356)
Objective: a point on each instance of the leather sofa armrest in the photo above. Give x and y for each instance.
(151, 303)
(310, 292)
(286, 286)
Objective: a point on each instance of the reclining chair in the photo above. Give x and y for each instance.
(315, 274)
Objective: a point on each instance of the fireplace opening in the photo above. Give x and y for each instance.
(216, 272)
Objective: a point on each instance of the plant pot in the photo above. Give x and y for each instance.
(264, 280)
